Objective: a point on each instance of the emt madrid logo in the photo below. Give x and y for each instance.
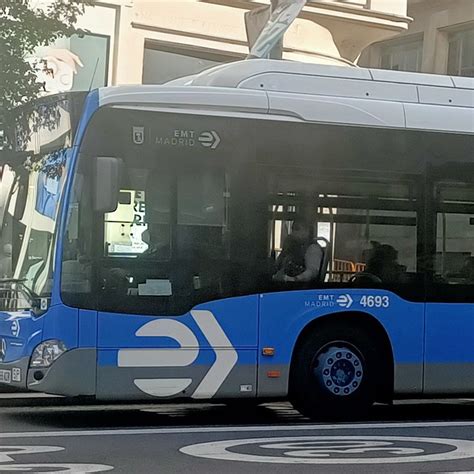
(180, 138)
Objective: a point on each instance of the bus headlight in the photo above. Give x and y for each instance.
(46, 353)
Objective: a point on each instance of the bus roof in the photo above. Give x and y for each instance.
(241, 74)
(321, 93)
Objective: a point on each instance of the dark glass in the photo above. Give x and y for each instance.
(167, 245)
(453, 259)
(201, 218)
(368, 226)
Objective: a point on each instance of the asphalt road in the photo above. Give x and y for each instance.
(40, 435)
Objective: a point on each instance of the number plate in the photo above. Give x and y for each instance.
(5, 376)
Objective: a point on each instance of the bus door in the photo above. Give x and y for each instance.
(449, 340)
(169, 325)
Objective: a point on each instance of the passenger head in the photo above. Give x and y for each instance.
(386, 252)
(381, 257)
(301, 230)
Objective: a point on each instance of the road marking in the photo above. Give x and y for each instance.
(335, 450)
(8, 463)
(231, 429)
(6, 452)
(26, 395)
(58, 468)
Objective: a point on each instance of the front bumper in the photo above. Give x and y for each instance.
(14, 374)
(72, 374)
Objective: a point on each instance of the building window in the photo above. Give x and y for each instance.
(78, 63)
(461, 53)
(164, 63)
(93, 50)
(406, 56)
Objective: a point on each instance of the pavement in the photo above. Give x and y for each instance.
(41, 434)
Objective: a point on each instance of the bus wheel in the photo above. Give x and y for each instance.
(334, 373)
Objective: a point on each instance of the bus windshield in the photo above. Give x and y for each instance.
(30, 192)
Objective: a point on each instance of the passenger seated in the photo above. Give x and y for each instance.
(301, 258)
(382, 266)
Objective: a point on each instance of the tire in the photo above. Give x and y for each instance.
(334, 373)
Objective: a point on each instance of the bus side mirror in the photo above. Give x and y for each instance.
(107, 183)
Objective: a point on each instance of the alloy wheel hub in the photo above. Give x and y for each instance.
(340, 370)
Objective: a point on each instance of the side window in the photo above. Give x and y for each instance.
(202, 219)
(454, 259)
(77, 258)
(36, 211)
(166, 246)
(360, 231)
(34, 264)
(140, 226)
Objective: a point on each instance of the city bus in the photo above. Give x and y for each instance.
(150, 241)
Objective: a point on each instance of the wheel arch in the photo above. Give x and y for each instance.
(370, 324)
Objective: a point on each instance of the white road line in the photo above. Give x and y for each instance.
(231, 429)
(26, 395)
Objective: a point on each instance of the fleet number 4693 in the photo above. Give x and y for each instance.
(375, 301)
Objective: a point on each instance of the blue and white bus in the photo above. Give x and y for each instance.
(146, 239)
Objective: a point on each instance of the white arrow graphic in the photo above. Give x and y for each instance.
(345, 301)
(185, 355)
(226, 355)
(210, 139)
(217, 140)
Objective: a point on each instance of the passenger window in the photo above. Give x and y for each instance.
(454, 259)
(367, 230)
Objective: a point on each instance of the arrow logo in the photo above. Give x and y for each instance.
(162, 387)
(183, 356)
(209, 139)
(345, 301)
(226, 356)
(15, 328)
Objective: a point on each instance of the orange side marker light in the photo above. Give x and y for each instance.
(273, 374)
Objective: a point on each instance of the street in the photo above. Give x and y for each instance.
(47, 434)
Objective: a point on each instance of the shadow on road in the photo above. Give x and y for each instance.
(60, 413)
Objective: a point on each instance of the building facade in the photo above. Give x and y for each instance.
(440, 40)
(142, 41)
